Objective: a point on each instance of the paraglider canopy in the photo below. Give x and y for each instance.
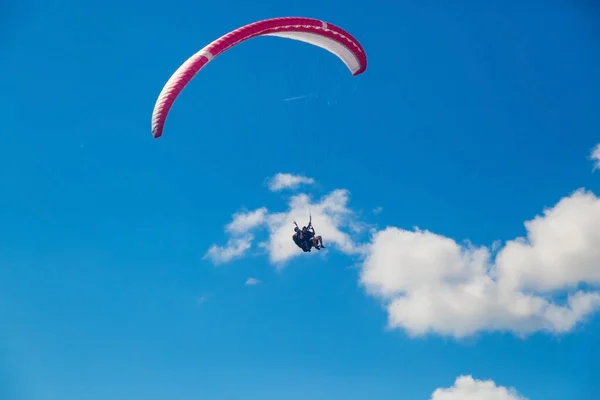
(318, 33)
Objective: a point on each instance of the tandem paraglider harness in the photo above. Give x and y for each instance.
(306, 242)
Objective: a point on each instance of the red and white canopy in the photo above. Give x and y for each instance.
(312, 31)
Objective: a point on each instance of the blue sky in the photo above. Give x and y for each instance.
(469, 121)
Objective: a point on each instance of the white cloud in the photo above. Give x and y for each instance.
(377, 210)
(245, 221)
(235, 248)
(288, 181)
(595, 156)
(431, 284)
(467, 388)
(240, 240)
(252, 281)
(331, 218)
(562, 248)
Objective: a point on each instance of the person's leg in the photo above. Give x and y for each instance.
(320, 241)
(315, 243)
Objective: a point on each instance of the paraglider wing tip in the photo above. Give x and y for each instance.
(360, 70)
(156, 133)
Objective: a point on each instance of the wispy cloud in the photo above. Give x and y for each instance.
(246, 220)
(377, 210)
(252, 281)
(595, 156)
(288, 181)
(235, 248)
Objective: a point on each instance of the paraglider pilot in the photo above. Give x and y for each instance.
(305, 238)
